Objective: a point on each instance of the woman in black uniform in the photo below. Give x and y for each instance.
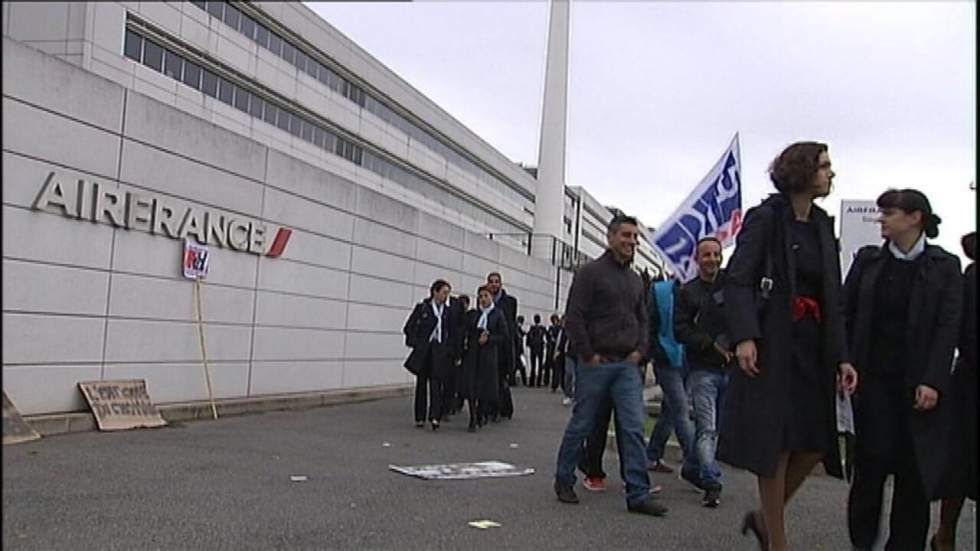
(903, 303)
(486, 333)
(783, 297)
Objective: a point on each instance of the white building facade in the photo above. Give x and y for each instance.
(329, 192)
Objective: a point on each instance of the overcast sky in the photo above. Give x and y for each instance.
(657, 90)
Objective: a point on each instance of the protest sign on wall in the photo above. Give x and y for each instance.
(121, 405)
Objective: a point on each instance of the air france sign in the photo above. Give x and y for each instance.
(86, 200)
(714, 208)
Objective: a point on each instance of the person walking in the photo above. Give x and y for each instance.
(486, 335)
(670, 370)
(508, 358)
(520, 366)
(701, 326)
(536, 337)
(557, 354)
(903, 306)
(607, 328)
(960, 480)
(428, 331)
(782, 299)
(551, 342)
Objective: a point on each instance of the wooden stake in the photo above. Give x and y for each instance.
(204, 352)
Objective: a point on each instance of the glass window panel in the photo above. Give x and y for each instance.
(307, 131)
(288, 52)
(202, 5)
(172, 65)
(152, 55)
(262, 35)
(241, 99)
(318, 136)
(275, 43)
(192, 74)
(301, 59)
(209, 83)
(358, 155)
(134, 44)
(255, 106)
(283, 121)
(217, 9)
(226, 91)
(329, 141)
(269, 115)
(312, 67)
(248, 26)
(295, 125)
(232, 16)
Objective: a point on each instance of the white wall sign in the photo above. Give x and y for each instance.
(858, 227)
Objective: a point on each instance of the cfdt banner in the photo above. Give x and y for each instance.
(713, 208)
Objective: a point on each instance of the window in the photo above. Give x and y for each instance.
(312, 68)
(134, 45)
(172, 65)
(248, 26)
(153, 55)
(202, 5)
(226, 91)
(301, 59)
(255, 106)
(275, 43)
(209, 83)
(307, 131)
(216, 9)
(318, 136)
(241, 99)
(192, 74)
(262, 35)
(288, 52)
(270, 114)
(283, 121)
(232, 16)
(295, 125)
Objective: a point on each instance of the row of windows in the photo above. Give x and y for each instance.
(178, 67)
(281, 47)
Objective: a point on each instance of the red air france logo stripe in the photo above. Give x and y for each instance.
(279, 243)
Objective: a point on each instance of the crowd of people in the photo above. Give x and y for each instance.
(753, 361)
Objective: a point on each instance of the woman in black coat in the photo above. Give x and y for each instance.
(486, 335)
(778, 419)
(429, 332)
(903, 305)
(960, 480)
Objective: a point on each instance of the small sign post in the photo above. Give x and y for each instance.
(196, 262)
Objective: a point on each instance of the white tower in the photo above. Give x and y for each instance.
(549, 201)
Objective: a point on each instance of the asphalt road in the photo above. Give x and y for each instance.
(226, 484)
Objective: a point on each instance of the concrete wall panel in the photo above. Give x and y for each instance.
(39, 288)
(287, 377)
(165, 341)
(40, 338)
(59, 385)
(303, 312)
(184, 382)
(280, 344)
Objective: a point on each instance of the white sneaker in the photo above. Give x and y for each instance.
(566, 401)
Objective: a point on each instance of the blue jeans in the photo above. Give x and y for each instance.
(621, 383)
(568, 385)
(707, 392)
(674, 417)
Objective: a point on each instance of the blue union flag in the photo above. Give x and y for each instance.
(713, 208)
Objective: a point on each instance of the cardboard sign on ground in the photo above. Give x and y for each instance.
(121, 405)
(15, 429)
(462, 471)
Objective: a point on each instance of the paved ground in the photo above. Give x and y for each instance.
(226, 485)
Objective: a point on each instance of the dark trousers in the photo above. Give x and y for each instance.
(505, 403)
(449, 402)
(558, 376)
(520, 369)
(423, 383)
(546, 369)
(537, 356)
(909, 522)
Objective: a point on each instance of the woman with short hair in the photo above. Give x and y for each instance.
(486, 334)
(903, 305)
(783, 306)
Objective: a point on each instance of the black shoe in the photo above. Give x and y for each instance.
(471, 428)
(420, 424)
(649, 506)
(435, 424)
(712, 497)
(693, 479)
(565, 493)
(750, 522)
